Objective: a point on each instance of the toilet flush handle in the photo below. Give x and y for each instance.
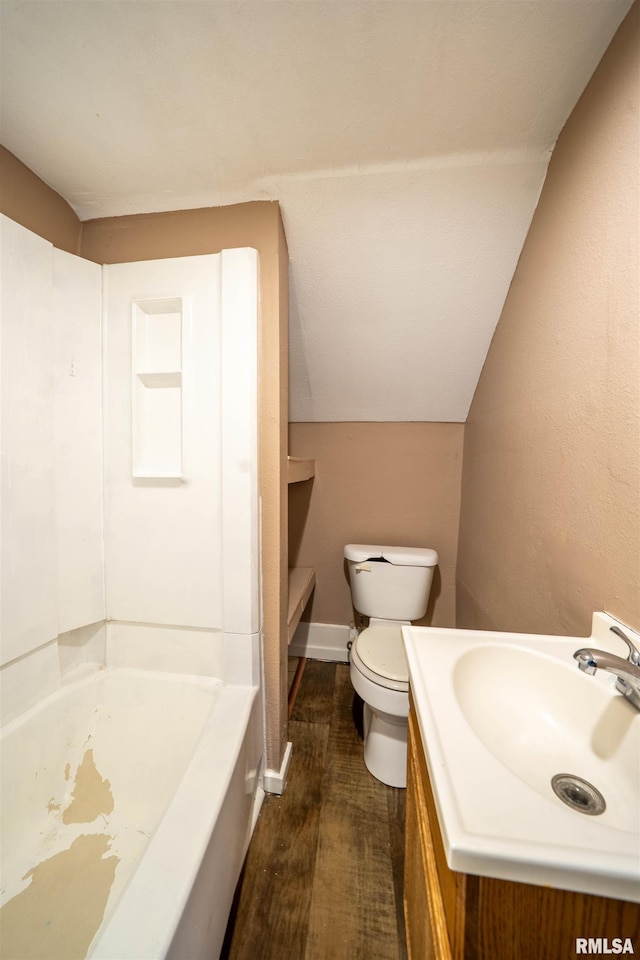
(363, 566)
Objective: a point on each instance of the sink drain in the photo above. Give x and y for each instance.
(578, 794)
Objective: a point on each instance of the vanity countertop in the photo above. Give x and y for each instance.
(500, 714)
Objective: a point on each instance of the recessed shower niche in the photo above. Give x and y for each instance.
(157, 389)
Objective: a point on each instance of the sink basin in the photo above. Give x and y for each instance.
(540, 717)
(500, 716)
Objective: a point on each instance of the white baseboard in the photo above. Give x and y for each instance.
(274, 781)
(321, 641)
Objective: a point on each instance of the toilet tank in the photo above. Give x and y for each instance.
(392, 583)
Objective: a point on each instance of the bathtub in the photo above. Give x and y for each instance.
(128, 801)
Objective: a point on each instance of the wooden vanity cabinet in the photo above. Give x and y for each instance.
(456, 916)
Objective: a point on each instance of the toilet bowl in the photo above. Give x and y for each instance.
(379, 675)
(391, 585)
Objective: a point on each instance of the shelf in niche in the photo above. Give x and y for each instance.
(299, 468)
(302, 580)
(164, 378)
(156, 413)
(163, 479)
(157, 430)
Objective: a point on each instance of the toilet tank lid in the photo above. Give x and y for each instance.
(401, 556)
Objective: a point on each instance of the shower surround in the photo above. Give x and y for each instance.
(130, 571)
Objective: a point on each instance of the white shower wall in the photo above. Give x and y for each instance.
(77, 435)
(182, 551)
(163, 535)
(51, 490)
(159, 572)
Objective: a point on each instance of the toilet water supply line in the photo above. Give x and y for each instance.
(354, 632)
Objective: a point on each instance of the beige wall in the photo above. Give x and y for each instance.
(27, 200)
(184, 233)
(388, 483)
(550, 519)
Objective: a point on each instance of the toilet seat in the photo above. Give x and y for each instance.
(379, 654)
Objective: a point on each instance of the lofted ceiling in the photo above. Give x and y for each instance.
(407, 142)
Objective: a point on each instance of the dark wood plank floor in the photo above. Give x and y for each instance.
(323, 876)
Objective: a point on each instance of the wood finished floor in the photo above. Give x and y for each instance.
(323, 875)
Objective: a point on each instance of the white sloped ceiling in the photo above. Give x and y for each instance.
(406, 140)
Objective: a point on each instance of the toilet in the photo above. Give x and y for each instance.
(391, 586)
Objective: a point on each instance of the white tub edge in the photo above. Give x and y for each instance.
(206, 828)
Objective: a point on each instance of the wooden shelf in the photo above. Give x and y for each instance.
(302, 580)
(300, 469)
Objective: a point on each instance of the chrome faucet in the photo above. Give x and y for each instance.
(627, 672)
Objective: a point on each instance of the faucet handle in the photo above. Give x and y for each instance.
(634, 653)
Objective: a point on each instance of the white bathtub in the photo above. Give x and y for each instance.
(128, 801)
